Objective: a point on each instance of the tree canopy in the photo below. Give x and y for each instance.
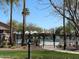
(71, 10)
(29, 27)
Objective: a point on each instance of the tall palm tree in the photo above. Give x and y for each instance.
(10, 2)
(11, 10)
(25, 12)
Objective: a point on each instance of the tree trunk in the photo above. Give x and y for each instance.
(11, 34)
(76, 38)
(64, 25)
(24, 14)
(43, 40)
(23, 38)
(54, 37)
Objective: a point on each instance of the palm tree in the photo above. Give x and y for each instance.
(11, 2)
(25, 12)
(11, 10)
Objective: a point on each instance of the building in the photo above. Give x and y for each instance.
(4, 33)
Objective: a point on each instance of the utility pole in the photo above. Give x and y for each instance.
(64, 24)
(24, 16)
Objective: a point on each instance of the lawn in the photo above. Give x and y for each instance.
(13, 54)
(53, 55)
(39, 55)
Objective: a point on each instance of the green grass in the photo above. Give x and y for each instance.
(39, 55)
(13, 54)
(53, 55)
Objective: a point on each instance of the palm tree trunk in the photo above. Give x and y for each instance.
(23, 30)
(24, 14)
(11, 35)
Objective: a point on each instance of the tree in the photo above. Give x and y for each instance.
(29, 27)
(20, 27)
(14, 24)
(71, 9)
(11, 10)
(24, 13)
(58, 30)
(10, 2)
(33, 27)
(68, 28)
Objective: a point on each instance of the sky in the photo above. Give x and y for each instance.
(41, 15)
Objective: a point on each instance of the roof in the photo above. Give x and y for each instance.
(4, 26)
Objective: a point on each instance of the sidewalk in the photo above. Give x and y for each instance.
(58, 50)
(5, 58)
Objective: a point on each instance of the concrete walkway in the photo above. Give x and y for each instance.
(59, 50)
